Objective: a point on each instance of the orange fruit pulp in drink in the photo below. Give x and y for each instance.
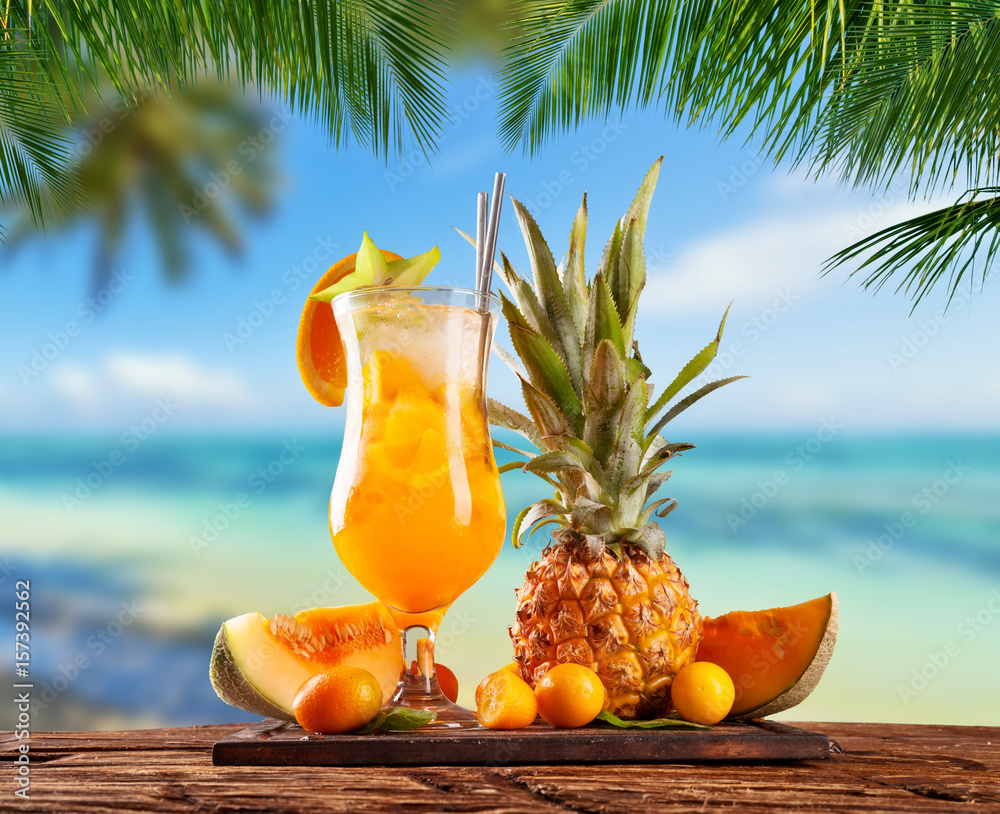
(421, 517)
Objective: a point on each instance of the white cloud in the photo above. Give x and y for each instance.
(782, 249)
(77, 385)
(746, 264)
(122, 374)
(799, 182)
(174, 375)
(806, 398)
(990, 384)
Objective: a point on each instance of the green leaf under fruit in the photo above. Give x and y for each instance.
(397, 719)
(656, 723)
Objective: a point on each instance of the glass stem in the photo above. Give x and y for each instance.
(420, 685)
(425, 656)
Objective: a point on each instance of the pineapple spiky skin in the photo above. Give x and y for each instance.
(630, 619)
(605, 594)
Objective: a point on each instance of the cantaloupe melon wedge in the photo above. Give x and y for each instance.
(775, 657)
(259, 663)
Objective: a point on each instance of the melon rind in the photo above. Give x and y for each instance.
(242, 644)
(254, 670)
(807, 682)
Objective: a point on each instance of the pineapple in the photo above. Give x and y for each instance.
(605, 594)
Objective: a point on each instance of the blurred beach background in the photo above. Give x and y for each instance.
(862, 456)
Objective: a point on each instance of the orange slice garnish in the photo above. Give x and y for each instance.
(318, 348)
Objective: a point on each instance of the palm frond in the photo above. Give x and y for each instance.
(35, 142)
(166, 159)
(917, 94)
(698, 59)
(371, 70)
(578, 59)
(867, 91)
(948, 241)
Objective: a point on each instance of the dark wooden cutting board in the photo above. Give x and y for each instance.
(276, 743)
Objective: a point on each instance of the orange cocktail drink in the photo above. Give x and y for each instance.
(422, 518)
(416, 512)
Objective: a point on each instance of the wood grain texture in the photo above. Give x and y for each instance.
(276, 743)
(882, 767)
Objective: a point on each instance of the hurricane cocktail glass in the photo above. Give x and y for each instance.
(416, 512)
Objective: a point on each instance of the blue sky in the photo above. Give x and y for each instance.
(725, 225)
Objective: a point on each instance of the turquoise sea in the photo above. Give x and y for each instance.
(136, 551)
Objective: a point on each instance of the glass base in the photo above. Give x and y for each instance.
(417, 692)
(418, 686)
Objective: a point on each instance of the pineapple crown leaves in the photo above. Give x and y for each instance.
(585, 385)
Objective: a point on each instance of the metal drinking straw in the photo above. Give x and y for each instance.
(486, 246)
(480, 242)
(484, 270)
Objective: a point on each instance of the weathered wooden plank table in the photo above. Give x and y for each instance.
(880, 767)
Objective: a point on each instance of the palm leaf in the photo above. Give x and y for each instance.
(372, 70)
(917, 95)
(155, 158)
(577, 59)
(866, 91)
(946, 241)
(35, 142)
